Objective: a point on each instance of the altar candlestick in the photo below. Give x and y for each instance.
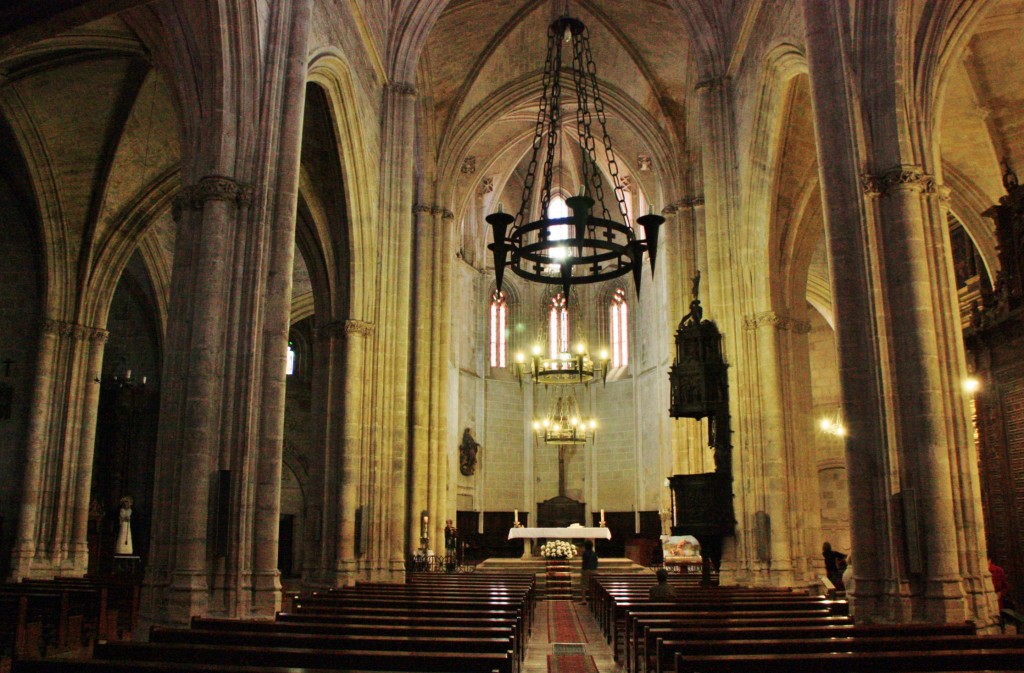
(516, 511)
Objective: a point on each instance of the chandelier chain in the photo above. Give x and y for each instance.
(583, 120)
(538, 135)
(613, 166)
(554, 123)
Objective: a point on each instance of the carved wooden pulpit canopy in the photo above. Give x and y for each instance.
(702, 503)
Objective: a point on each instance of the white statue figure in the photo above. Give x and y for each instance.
(124, 534)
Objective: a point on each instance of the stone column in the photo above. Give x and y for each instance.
(421, 493)
(277, 304)
(772, 488)
(923, 438)
(967, 504)
(805, 512)
(353, 452)
(79, 556)
(212, 210)
(441, 320)
(861, 365)
(51, 538)
(390, 450)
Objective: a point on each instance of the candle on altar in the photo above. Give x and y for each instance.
(516, 514)
(602, 516)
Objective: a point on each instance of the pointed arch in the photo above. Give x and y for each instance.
(357, 146)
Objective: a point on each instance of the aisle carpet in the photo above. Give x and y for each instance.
(570, 659)
(564, 623)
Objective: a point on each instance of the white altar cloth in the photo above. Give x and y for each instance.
(560, 533)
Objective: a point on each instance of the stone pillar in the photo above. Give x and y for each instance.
(901, 356)
(805, 512)
(421, 493)
(277, 305)
(357, 334)
(221, 419)
(861, 365)
(51, 538)
(771, 486)
(212, 211)
(388, 473)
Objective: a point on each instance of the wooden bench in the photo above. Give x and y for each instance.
(21, 636)
(789, 609)
(1008, 616)
(59, 666)
(636, 644)
(394, 659)
(422, 643)
(668, 651)
(658, 646)
(426, 628)
(933, 661)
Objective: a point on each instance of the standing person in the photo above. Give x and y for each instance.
(999, 582)
(451, 538)
(662, 590)
(832, 561)
(589, 568)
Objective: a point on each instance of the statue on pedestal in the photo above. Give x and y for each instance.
(124, 534)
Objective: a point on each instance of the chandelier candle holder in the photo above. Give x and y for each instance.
(567, 368)
(598, 247)
(565, 424)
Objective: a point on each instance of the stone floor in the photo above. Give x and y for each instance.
(539, 647)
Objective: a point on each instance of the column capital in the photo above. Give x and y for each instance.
(711, 83)
(780, 322)
(214, 188)
(687, 202)
(899, 178)
(74, 330)
(401, 88)
(344, 328)
(422, 208)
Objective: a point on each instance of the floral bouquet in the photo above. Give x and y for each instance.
(557, 549)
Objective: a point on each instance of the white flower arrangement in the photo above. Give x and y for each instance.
(558, 549)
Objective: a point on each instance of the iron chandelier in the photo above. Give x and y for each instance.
(597, 248)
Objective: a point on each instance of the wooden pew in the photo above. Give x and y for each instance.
(59, 666)
(51, 609)
(933, 661)
(664, 644)
(858, 644)
(617, 621)
(21, 636)
(637, 645)
(394, 605)
(423, 628)
(317, 658)
(385, 643)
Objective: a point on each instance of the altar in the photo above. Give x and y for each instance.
(568, 533)
(572, 532)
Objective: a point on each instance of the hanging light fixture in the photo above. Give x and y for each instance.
(565, 368)
(597, 248)
(564, 424)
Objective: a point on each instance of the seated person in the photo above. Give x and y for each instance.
(662, 590)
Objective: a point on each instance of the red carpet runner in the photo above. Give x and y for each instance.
(571, 659)
(564, 624)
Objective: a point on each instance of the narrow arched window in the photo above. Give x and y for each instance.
(291, 359)
(557, 209)
(619, 320)
(558, 326)
(499, 329)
